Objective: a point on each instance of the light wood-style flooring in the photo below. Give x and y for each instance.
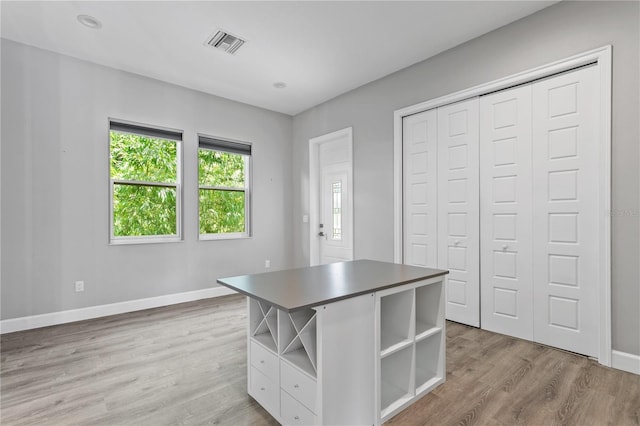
(186, 365)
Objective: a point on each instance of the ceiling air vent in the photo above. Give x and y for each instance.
(225, 41)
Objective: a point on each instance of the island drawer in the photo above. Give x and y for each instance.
(265, 361)
(264, 391)
(298, 385)
(294, 413)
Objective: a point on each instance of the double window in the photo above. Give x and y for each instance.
(223, 185)
(146, 185)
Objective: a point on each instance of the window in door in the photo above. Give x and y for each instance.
(336, 209)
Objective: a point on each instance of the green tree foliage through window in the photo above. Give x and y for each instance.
(142, 158)
(140, 210)
(222, 178)
(144, 172)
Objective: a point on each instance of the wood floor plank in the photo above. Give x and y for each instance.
(523, 384)
(186, 365)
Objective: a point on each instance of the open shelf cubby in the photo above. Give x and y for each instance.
(396, 387)
(298, 339)
(428, 315)
(411, 344)
(264, 323)
(396, 321)
(428, 362)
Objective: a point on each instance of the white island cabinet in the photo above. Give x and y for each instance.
(349, 343)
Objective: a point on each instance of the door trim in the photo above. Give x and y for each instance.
(314, 193)
(602, 58)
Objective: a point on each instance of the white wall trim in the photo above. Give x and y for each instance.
(625, 361)
(63, 317)
(604, 65)
(601, 56)
(314, 189)
(398, 194)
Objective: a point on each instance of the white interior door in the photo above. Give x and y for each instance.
(458, 209)
(505, 212)
(419, 136)
(565, 226)
(331, 197)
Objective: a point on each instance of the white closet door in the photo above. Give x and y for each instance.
(565, 155)
(458, 210)
(505, 212)
(419, 161)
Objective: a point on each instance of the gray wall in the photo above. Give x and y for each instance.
(54, 164)
(554, 33)
(55, 175)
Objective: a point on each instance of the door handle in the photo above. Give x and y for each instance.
(321, 234)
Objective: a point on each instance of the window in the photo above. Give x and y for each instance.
(224, 190)
(336, 210)
(145, 169)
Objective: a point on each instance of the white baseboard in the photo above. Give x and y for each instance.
(625, 361)
(62, 317)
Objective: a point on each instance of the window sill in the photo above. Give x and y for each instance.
(214, 237)
(123, 241)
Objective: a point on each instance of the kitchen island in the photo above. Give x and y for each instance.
(349, 343)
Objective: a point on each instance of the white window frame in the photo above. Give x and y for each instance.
(248, 185)
(147, 239)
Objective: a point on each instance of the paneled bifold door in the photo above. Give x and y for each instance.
(458, 234)
(420, 189)
(565, 206)
(505, 212)
(503, 192)
(441, 219)
(539, 211)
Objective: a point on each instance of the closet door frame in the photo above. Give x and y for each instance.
(601, 57)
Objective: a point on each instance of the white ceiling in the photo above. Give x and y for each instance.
(320, 49)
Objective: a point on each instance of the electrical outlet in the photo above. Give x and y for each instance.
(267, 264)
(79, 286)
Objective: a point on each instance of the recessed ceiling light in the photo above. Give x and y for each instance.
(280, 85)
(89, 21)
